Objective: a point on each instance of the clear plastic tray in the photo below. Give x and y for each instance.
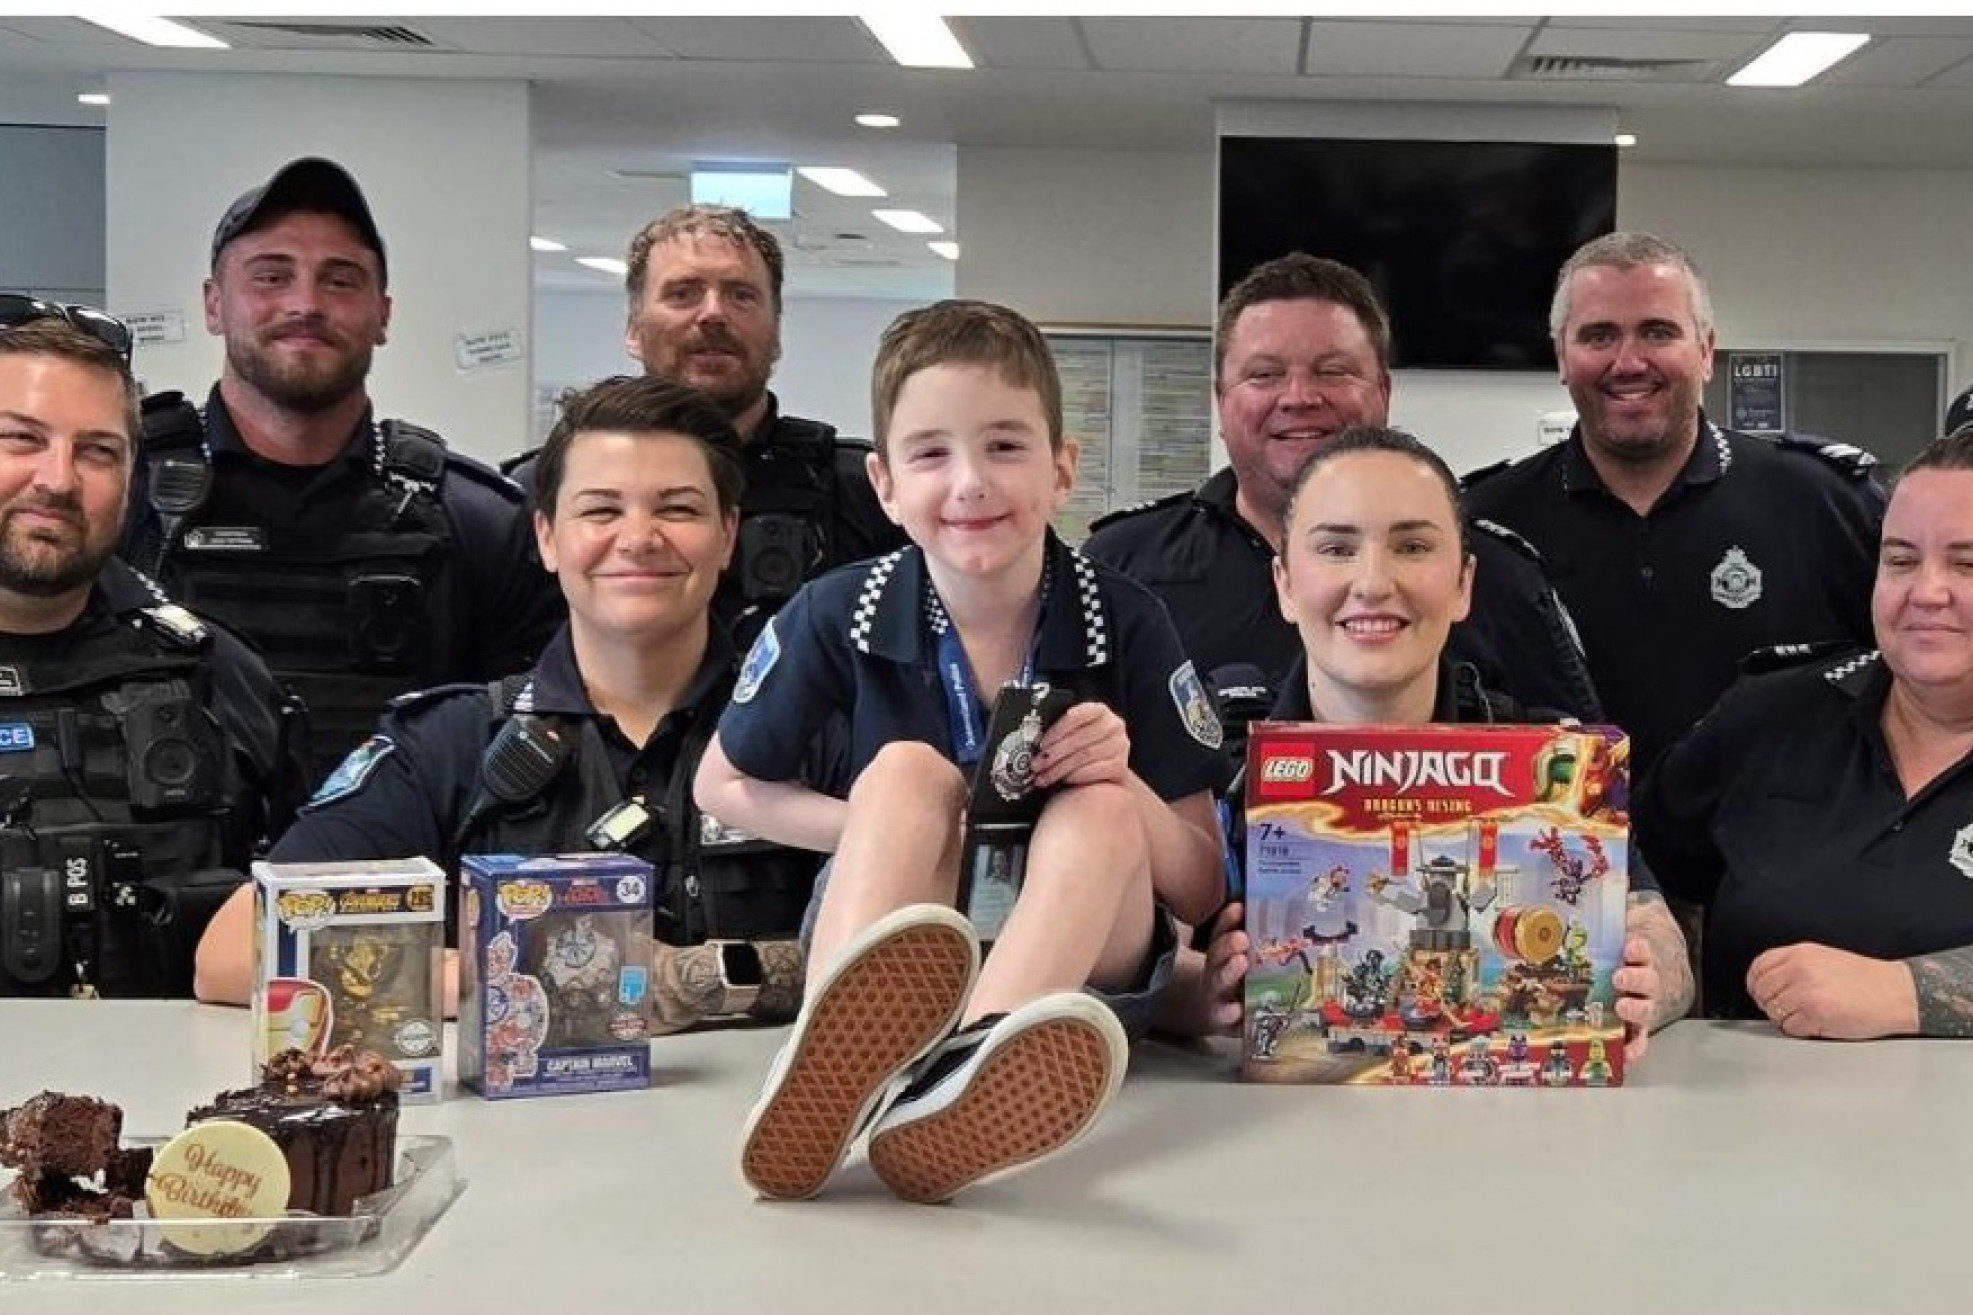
(379, 1234)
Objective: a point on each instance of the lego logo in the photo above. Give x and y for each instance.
(1287, 769)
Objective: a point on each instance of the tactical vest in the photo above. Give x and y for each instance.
(546, 787)
(351, 604)
(117, 791)
(787, 524)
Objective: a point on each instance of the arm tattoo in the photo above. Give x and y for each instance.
(1945, 991)
(1669, 956)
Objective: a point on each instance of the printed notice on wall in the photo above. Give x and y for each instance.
(488, 348)
(1755, 403)
(150, 328)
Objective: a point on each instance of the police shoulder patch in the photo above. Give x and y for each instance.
(353, 771)
(760, 660)
(1195, 706)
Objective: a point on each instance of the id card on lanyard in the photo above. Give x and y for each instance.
(1003, 806)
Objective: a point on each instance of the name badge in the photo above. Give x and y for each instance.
(226, 538)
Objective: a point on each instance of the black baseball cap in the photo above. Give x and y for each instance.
(310, 184)
(1960, 412)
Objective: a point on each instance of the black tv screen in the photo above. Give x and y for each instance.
(1461, 239)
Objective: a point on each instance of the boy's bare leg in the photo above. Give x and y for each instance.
(900, 846)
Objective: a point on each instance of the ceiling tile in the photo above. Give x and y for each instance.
(1023, 43)
(1195, 45)
(1898, 62)
(796, 40)
(1643, 43)
(1386, 50)
(548, 38)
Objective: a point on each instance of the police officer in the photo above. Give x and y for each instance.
(141, 750)
(1678, 546)
(1302, 349)
(363, 557)
(705, 308)
(595, 748)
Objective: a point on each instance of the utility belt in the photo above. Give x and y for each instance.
(80, 915)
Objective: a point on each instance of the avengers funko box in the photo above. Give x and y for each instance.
(352, 952)
(1435, 905)
(554, 974)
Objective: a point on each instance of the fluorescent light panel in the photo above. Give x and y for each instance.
(950, 250)
(763, 191)
(917, 40)
(604, 264)
(154, 31)
(1626, 139)
(1797, 58)
(909, 221)
(843, 182)
(93, 98)
(546, 244)
(873, 119)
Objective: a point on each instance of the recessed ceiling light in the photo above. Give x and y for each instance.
(156, 31)
(1626, 139)
(917, 40)
(875, 120)
(950, 250)
(1797, 58)
(843, 182)
(546, 244)
(604, 264)
(93, 98)
(909, 221)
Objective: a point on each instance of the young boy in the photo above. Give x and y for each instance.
(911, 648)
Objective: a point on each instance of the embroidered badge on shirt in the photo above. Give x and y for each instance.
(353, 771)
(1736, 581)
(1195, 707)
(760, 660)
(1961, 855)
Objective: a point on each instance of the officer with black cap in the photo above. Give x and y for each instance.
(142, 750)
(364, 557)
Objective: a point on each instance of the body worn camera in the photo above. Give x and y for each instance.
(174, 754)
(778, 549)
(386, 613)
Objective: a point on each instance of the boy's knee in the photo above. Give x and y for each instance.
(1105, 813)
(911, 769)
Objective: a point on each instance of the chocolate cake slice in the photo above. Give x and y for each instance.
(52, 1133)
(334, 1117)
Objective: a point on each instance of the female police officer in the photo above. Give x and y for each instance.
(636, 490)
(1821, 812)
(1373, 572)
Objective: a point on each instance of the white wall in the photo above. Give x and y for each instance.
(51, 212)
(445, 168)
(1796, 257)
(827, 346)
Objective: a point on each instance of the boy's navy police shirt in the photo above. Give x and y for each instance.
(1757, 542)
(863, 640)
(1783, 813)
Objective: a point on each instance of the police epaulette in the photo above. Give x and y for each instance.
(1472, 477)
(1138, 508)
(1850, 461)
(1782, 656)
(471, 468)
(418, 698)
(170, 422)
(176, 626)
(1495, 530)
(508, 465)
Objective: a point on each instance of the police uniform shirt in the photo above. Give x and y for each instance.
(1783, 813)
(509, 604)
(1757, 543)
(406, 790)
(863, 641)
(1213, 570)
(1457, 701)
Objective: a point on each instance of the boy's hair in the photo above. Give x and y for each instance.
(1627, 251)
(57, 337)
(1299, 276)
(1952, 452)
(733, 225)
(639, 405)
(959, 332)
(1379, 438)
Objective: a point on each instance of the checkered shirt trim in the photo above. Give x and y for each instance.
(1720, 446)
(1095, 621)
(1850, 666)
(863, 617)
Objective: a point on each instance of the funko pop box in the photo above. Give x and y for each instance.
(1435, 905)
(352, 952)
(554, 974)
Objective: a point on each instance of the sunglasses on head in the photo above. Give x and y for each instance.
(17, 308)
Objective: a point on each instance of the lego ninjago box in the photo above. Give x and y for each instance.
(1435, 905)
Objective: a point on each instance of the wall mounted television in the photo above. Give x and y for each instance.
(1461, 239)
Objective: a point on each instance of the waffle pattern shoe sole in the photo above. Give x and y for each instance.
(1034, 1086)
(894, 994)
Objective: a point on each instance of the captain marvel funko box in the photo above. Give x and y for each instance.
(554, 974)
(352, 952)
(1435, 905)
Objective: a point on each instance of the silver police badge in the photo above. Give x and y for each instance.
(1195, 706)
(1736, 581)
(1012, 772)
(1961, 854)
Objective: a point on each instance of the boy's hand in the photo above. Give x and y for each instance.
(1087, 744)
